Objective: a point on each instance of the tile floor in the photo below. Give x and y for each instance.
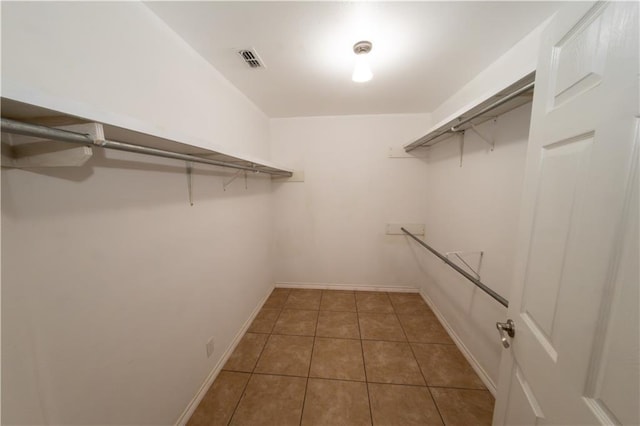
(318, 357)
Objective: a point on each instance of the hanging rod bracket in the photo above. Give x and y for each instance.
(516, 97)
(53, 134)
(24, 150)
(504, 302)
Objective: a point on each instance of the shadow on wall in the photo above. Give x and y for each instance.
(500, 131)
(461, 297)
(127, 180)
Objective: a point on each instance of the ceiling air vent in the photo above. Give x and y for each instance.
(251, 58)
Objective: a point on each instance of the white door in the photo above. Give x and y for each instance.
(574, 358)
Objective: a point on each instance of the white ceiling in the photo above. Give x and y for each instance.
(423, 52)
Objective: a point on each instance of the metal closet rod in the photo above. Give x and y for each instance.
(485, 110)
(504, 302)
(27, 129)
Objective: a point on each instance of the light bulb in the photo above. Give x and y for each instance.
(361, 72)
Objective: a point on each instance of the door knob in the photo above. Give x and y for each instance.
(506, 328)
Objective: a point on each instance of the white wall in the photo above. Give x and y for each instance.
(513, 65)
(118, 63)
(330, 229)
(111, 282)
(471, 208)
(476, 207)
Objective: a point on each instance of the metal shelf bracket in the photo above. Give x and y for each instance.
(461, 146)
(190, 181)
(459, 254)
(234, 177)
(489, 140)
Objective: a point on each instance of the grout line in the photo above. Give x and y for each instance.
(328, 310)
(435, 404)
(292, 335)
(268, 338)
(289, 308)
(360, 339)
(427, 384)
(278, 375)
(237, 371)
(460, 388)
(313, 346)
(277, 318)
(266, 342)
(364, 366)
(244, 391)
(338, 338)
(256, 363)
(397, 384)
(321, 297)
(395, 311)
(433, 343)
(338, 380)
(359, 381)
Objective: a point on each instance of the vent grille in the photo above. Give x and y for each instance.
(251, 58)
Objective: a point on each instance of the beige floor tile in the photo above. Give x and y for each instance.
(217, 406)
(337, 359)
(380, 327)
(373, 302)
(408, 303)
(277, 298)
(391, 362)
(424, 328)
(332, 402)
(264, 321)
(304, 299)
(271, 400)
(338, 324)
(333, 300)
(444, 365)
(296, 322)
(246, 354)
(464, 407)
(400, 405)
(288, 355)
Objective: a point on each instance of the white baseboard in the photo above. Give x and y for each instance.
(491, 386)
(355, 287)
(188, 412)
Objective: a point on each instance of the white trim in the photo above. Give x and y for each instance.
(486, 379)
(356, 287)
(188, 412)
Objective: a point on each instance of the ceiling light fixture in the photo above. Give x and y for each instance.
(362, 72)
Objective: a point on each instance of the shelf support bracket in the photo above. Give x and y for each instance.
(234, 177)
(461, 146)
(190, 181)
(489, 141)
(458, 254)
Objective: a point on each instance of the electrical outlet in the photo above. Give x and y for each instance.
(209, 347)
